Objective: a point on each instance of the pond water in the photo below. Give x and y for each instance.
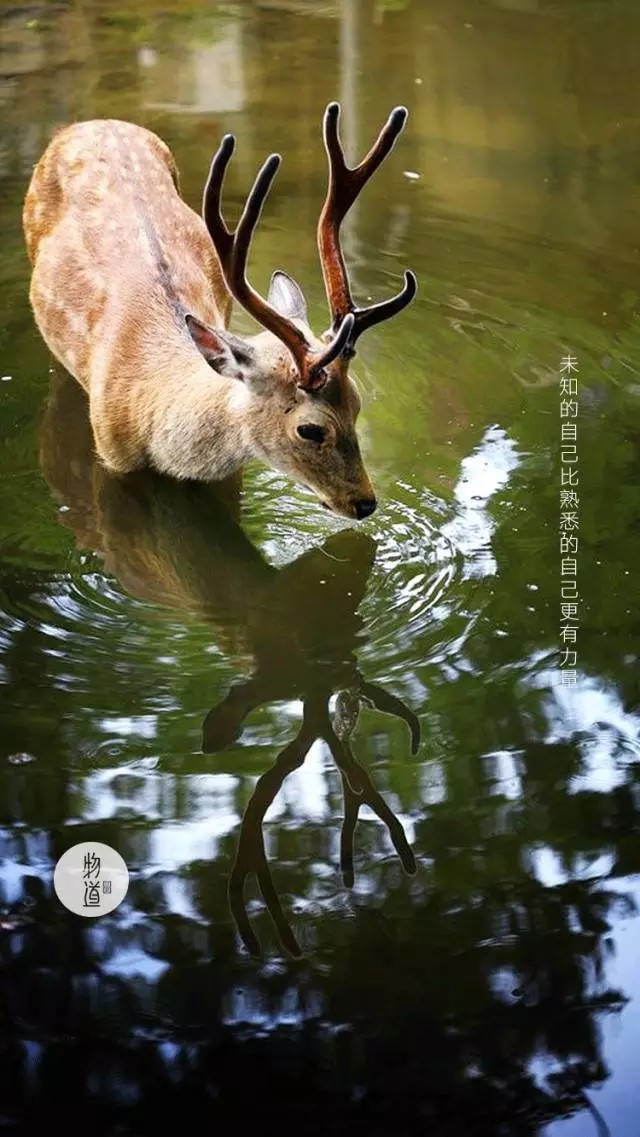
(466, 959)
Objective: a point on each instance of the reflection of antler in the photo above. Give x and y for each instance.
(251, 857)
(390, 705)
(357, 789)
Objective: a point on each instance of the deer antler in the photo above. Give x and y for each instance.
(344, 186)
(233, 249)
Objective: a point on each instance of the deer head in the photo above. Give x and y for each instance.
(303, 403)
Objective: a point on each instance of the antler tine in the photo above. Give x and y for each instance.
(242, 241)
(233, 247)
(345, 184)
(382, 146)
(374, 314)
(211, 212)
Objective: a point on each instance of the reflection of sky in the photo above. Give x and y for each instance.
(483, 473)
(210, 80)
(618, 1098)
(305, 791)
(609, 735)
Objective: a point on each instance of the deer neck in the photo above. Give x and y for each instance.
(199, 422)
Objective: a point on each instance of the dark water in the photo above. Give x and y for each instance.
(165, 669)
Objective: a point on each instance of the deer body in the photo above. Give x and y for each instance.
(111, 288)
(132, 292)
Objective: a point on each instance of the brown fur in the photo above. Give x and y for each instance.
(119, 261)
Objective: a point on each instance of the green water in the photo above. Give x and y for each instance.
(464, 961)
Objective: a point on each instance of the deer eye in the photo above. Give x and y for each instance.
(311, 433)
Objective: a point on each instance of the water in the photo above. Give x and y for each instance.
(166, 668)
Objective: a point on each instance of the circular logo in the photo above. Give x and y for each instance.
(91, 879)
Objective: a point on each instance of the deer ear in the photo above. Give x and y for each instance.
(223, 352)
(286, 297)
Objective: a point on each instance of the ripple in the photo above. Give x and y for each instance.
(84, 621)
(416, 562)
(415, 569)
(414, 609)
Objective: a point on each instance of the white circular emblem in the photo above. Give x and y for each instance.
(91, 879)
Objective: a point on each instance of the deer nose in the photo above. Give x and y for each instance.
(365, 507)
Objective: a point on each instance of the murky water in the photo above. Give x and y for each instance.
(464, 960)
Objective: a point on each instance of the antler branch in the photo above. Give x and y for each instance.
(344, 186)
(233, 247)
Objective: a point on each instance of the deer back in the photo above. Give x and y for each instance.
(113, 244)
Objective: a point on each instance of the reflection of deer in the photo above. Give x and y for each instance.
(132, 292)
(179, 545)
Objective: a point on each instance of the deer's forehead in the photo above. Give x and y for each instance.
(341, 394)
(338, 400)
(328, 407)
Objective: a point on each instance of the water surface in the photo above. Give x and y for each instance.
(464, 959)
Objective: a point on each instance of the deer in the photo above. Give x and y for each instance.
(179, 545)
(132, 292)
